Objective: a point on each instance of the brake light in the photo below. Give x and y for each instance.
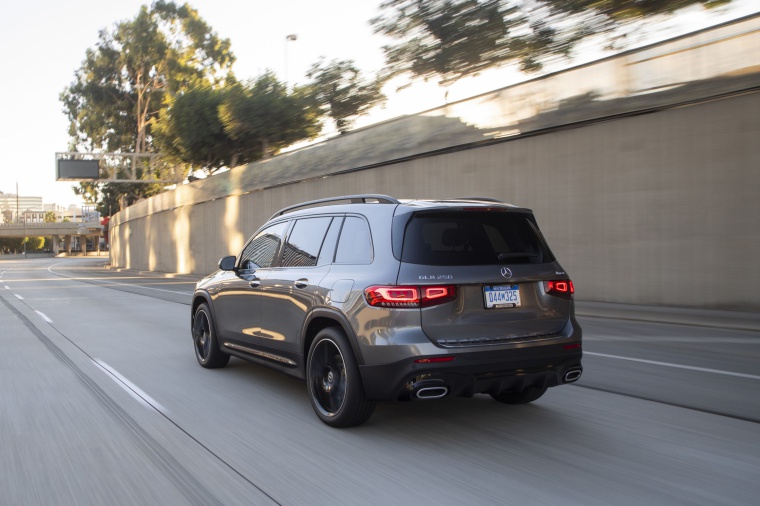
(562, 288)
(409, 296)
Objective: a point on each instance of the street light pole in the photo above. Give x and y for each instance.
(288, 38)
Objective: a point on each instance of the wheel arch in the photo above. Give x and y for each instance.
(322, 318)
(198, 299)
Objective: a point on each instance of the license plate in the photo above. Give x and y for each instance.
(502, 296)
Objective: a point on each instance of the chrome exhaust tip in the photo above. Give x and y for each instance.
(432, 393)
(572, 375)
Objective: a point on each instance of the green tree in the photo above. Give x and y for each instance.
(448, 39)
(209, 128)
(11, 245)
(264, 117)
(338, 88)
(191, 131)
(109, 198)
(451, 39)
(50, 217)
(621, 11)
(35, 243)
(129, 77)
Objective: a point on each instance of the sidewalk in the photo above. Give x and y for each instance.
(736, 320)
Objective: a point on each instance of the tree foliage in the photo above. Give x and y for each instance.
(451, 39)
(191, 132)
(621, 11)
(265, 117)
(339, 89)
(11, 244)
(210, 128)
(16, 244)
(129, 77)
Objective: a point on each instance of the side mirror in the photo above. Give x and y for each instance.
(227, 263)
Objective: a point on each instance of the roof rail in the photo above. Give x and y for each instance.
(352, 199)
(482, 199)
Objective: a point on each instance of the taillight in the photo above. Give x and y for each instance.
(409, 296)
(562, 288)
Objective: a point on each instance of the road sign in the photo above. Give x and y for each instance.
(117, 168)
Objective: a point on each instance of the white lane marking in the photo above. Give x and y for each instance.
(75, 278)
(19, 297)
(132, 389)
(676, 366)
(7, 287)
(44, 316)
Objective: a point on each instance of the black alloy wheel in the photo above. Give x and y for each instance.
(334, 383)
(204, 339)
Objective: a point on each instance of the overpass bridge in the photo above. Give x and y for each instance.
(56, 230)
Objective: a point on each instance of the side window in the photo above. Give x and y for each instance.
(263, 247)
(355, 244)
(304, 242)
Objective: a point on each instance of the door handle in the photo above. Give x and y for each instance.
(301, 283)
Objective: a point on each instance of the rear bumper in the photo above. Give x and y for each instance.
(471, 373)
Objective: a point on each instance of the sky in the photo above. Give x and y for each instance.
(44, 42)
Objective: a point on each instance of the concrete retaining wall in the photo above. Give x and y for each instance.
(643, 170)
(655, 209)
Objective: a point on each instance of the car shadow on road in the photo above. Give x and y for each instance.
(288, 395)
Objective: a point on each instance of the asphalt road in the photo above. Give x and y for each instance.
(102, 402)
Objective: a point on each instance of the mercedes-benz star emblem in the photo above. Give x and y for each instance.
(506, 272)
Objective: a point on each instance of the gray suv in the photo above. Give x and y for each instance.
(369, 298)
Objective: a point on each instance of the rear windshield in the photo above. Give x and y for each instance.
(473, 238)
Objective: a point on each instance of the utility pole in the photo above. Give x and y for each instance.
(18, 217)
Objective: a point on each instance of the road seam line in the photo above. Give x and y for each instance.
(76, 278)
(677, 366)
(132, 389)
(44, 316)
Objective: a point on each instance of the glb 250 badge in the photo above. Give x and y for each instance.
(436, 277)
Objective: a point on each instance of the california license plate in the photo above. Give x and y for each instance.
(502, 296)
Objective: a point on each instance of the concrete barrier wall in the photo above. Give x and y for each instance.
(658, 209)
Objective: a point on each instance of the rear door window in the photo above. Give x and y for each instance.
(305, 242)
(473, 238)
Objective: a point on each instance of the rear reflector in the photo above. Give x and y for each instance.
(409, 296)
(562, 288)
(572, 346)
(433, 360)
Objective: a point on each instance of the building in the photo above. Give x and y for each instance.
(33, 210)
(14, 208)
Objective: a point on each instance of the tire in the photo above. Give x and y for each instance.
(335, 386)
(205, 342)
(524, 397)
